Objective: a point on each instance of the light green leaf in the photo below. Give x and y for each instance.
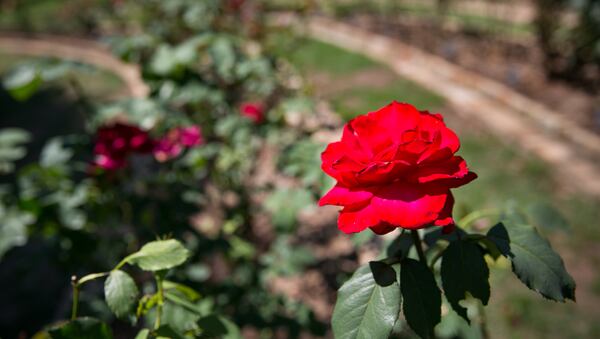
(422, 298)
(23, 82)
(464, 270)
(54, 154)
(120, 293)
(533, 260)
(13, 228)
(11, 147)
(364, 308)
(159, 255)
(88, 328)
(143, 334)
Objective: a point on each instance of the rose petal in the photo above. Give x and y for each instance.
(352, 221)
(382, 228)
(342, 196)
(408, 205)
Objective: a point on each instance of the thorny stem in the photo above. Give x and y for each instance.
(418, 246)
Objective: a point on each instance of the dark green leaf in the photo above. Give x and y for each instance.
(365, 309)
(432, 237)
(400, 247)
(214, 326)
(120, 293)
(464, 270)
(84, 328)
(165, 331)
(159, 255)
(422, 298)
(533, 260)
(383, 273)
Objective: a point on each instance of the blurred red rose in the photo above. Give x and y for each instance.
(173, 143)
(394, 168)
(254, 111)
(115, 142)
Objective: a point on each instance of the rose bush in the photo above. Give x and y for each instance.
(394, 168)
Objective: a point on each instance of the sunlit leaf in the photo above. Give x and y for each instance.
(364, 308)
(159, 255)
(120, 292)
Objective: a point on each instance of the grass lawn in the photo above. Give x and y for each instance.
(506, 173)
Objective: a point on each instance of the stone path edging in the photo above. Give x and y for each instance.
(80, 50)
(505, 112)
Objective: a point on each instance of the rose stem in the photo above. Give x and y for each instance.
(418, 246)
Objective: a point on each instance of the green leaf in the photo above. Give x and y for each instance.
(159, 255)
(88, 328)
(165, 331)
(431, 238)
(533, 260)
(365, 309)
(120, 292)
(189, 292)
(12, 148)
(400, 246)
(23, 82)
(54, 154)
(215, 326)
(464, 270)
(422, 298)
(143, 334)
(13, 227)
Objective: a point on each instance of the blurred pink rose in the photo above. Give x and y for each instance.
(173, 143)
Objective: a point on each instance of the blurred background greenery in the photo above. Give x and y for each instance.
(546, 49)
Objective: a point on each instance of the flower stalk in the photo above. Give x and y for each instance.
(418, 245)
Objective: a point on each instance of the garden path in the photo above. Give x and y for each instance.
(572, 151)
(79, 50)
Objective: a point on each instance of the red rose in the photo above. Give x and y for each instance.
(253, 111)
(114, 143)
(394, 168)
